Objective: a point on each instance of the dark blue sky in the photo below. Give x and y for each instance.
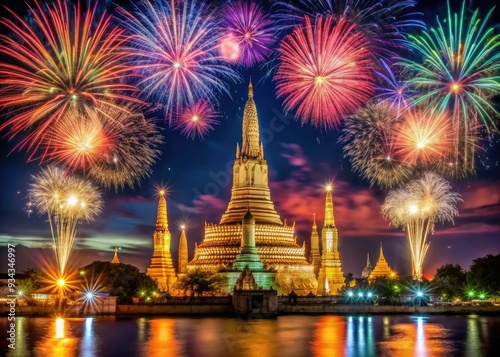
(301, 159)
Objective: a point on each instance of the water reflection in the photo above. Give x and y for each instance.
(361, 343)
(58, 340)
(288, 336)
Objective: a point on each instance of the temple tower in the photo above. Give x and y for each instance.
(250, 174)
(183, 252)
(115, 259)
(274, 239)
(315, 256)
(368, 268)
(161, 267)
(331, 268)
(382, 268)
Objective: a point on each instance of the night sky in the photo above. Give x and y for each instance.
(301, 160)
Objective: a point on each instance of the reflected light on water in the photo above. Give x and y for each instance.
(330, 336)
(162, 340)
(59, 327)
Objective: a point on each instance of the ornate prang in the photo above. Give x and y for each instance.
(382, 268)
(274, 240)
(115, 259)
(183, 252)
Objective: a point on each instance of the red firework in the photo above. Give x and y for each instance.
(197, 120)
(424, 137)
(325, 71)
(60, 62)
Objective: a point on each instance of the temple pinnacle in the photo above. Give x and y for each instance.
(250, 89)
(329, 217)
(161, 218)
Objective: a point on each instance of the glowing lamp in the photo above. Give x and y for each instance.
(481, 296)
(183, 227)
(89, 295)
(162, 192)
(20, 293)
(360, 294)
(350, 293)
(470, 293)
(420, 294)
(61, 282)
(329, 187)
(370, 295)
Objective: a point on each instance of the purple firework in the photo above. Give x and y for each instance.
(249, 30)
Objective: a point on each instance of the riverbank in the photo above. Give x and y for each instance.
(283, 309)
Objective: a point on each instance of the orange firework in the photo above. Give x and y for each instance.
(424, 137)
(78, 142)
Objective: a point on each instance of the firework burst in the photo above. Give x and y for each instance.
(197, 120)
(424, 137)
(325, 72)
(370, 144)
(132, 149)
(59, 63)
(251, 29)
(66, 200)
(176, 49)
(383, 22)
(460, 73)
(77, 142)
(416, 208)
(395, 91)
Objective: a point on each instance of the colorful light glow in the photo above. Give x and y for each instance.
(57, 193)
(251, 33)
(459, 73)
(424, 137)
(57, 63)
(417, 207)
(325, 72)
(179, 57)
(197, 120)
(370, 142)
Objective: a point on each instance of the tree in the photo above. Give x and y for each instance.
(348, 278)
(122, 280)
(484, 275)
(200, 281)
(387, 290)
(449, 281)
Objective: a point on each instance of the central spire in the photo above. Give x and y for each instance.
(251, 143)
(161, 217)
(329, 218)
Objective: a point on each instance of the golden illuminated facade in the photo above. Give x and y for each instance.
(161, 268)
(274, 240)
(382, 268)
(315, 256)
(183, 253)
(331, 277)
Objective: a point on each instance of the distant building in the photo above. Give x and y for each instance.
(382, 268)
(115, 258)
(161, 268)
(368, 268)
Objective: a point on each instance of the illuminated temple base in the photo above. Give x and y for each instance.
(162, 270)
(277, 250)
(333, 274)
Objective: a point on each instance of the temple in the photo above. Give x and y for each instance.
(368, 268)
(183, 252)
(315, 255)
(274, 240)
(115, 259)
(330, 277)
(161, 268)
(382, 268)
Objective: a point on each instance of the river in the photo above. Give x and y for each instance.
(288, 336)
